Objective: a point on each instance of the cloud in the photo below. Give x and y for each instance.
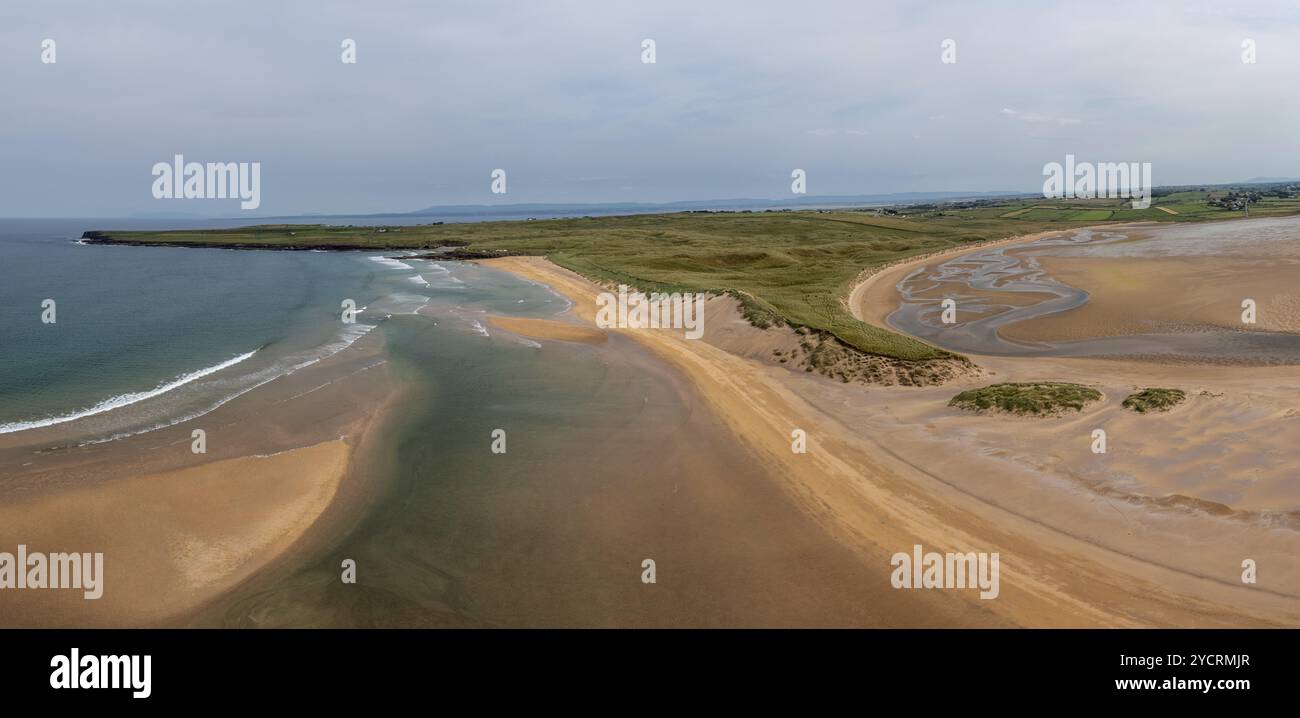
(823, 132)
(556, 94)
(1036, 117)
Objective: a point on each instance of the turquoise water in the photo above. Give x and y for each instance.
(147, 336)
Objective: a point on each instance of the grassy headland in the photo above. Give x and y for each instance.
(786, 267)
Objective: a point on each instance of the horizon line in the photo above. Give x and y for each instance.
(920, 197)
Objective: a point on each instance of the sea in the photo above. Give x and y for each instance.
(551, 532)
(109, 341)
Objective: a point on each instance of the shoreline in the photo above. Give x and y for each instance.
(887, 468)
(179, 530)
(1078, 561)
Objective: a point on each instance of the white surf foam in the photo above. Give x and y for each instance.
(442, 277)
(391, 263)
(286, 366)
(121, 400)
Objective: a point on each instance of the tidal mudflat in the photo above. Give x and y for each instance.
(1172, 292)
(1200, 486)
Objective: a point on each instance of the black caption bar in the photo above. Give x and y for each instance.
(208, 668)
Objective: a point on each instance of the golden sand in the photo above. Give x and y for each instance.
(172, 539)
(179, 530)
(891, 478)
(1153, 533)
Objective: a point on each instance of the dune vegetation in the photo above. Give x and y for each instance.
(1154, 400)
(1027, 399)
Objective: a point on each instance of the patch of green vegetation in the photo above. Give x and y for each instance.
(1154, 400)
(785, 267)
(1049, 214)
(1030, 399)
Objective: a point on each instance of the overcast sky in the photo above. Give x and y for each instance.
(556, 93)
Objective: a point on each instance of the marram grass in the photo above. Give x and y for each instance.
(1027, 399)
(1154, 399)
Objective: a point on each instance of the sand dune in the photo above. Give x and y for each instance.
(889, 468)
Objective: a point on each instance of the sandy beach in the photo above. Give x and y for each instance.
(746, 530)
(178, 529)
(888, 468)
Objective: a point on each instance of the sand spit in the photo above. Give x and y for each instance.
(178, 530)
(549, 329)
(171, 540)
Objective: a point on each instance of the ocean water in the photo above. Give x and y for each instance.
(147, 337)
(144, 337)
(608, 453)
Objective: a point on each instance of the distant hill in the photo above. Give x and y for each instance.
(1269, 180)
(733, 204)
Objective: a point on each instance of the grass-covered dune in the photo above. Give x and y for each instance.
(1047, 398)
(1154, 399)
(784, 266)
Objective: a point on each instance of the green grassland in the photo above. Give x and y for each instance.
(790, 267)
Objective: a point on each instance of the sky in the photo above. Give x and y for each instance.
(556, 93)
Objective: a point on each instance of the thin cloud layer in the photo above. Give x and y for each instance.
(557, 94)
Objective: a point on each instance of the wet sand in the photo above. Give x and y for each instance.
(613, 458)
(703, 479)
(177, 529)
(1136, 295)
(888, 468)
(554, 535)
(1197, 489)
(1173, 293)
(173, 539)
